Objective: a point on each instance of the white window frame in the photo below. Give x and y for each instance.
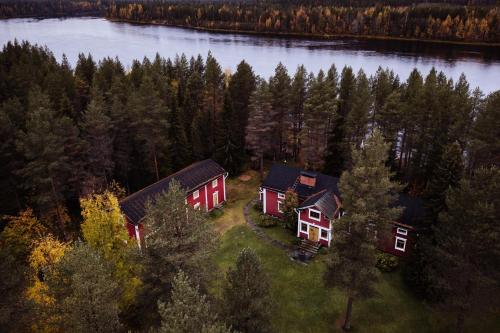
(403, 249)
(321, 237)
(402, 231)
(306, 225)
(196, 194)
(314, 211)
(280, 209)
(281, 195)
(215, 183)
(196, 205)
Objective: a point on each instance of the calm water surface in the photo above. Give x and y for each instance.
(126, 41)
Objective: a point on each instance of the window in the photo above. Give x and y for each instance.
(314, 214)
(400, 244)
(280, 206)
(324, 233)
(197, 205)
(281, 196)
(214, 183)
(196, 194)
(402, 231)
(303, 227)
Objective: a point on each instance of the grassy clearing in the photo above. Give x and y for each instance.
(239, 194)
(303, 304)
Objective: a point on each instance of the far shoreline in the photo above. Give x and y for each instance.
(308, 36)
(304, 36)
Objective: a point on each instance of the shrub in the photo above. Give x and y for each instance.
(267, 221)
(216, 213)
(387, 262)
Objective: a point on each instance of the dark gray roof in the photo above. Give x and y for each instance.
(189, 178)
(413, 209)
(324, 201)
(282, 177)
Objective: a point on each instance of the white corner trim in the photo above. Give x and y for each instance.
(264, 202)
(137, 235)
(206, 198)
(224, 185)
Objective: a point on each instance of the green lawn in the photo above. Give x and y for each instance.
(303, 304)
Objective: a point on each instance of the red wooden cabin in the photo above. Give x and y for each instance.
(204, 183)
(320, 206)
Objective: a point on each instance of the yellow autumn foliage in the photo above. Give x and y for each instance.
(20, 232)
(47, 252)
(104, 230)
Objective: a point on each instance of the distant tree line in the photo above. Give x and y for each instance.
(426, 22)
(463, 21)
(50, 8)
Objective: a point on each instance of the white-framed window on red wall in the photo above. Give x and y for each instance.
(196, 194)
(400, 244)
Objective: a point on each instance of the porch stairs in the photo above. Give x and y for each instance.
(309, 247)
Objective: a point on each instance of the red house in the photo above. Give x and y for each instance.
(320, 206)
(319, 203)
(204, 183)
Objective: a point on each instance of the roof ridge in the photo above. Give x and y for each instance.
(132, 195)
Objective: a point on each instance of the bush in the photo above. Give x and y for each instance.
(387, 262)
(267, 221)
(215, 213)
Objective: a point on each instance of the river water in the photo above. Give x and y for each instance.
(126, 41)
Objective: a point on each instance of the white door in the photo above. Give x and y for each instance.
(215, 199)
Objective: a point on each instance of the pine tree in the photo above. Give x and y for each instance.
(10, 159)
(188, 311)
(467, 247)
(182, 239)
(337, 150)
(227, 152)
(246, 297)
(85, 292)
(367, 198)
(319, 108)
(241, 86)
(260, 124)
(446, 175)
(192, 106)
(298, 94)
(52, 149)
(97, 133)
(178, 153)
(356, 124)
(279, 87)
(150, 118)
(213, 99)
(485, 148)
(84, 74)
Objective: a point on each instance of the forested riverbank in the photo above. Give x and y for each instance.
(473, 23)
(423, 22)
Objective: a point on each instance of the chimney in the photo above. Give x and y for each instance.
(308, 178)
